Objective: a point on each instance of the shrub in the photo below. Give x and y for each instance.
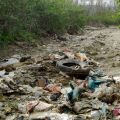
(29, 19)
(25, 19)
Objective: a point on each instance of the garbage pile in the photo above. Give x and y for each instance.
(64, 85)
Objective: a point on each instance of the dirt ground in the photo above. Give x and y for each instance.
(100, 44)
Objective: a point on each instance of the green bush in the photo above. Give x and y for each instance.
(29, 19)
(12, 14)
(26, 19)
(106, 18)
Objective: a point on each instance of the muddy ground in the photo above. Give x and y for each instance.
(100, 44)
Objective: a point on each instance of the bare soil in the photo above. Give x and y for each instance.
(101, 44)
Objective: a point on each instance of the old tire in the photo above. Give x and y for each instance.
(73, 68)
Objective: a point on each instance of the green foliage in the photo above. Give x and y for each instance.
(12, 19)
(105, 19)
(29, 19)
(26, 19)
(118, 11)
(55, 16)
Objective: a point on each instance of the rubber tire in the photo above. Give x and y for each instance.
(82, 71)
